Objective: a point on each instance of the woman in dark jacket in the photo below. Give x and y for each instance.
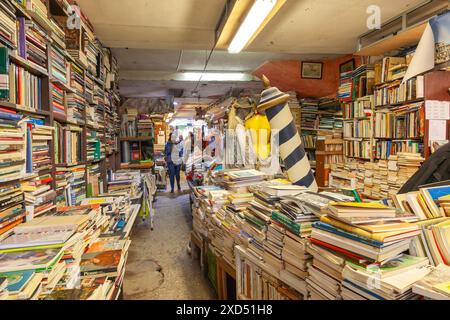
(173, 168)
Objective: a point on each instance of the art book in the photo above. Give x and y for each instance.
(103, 262)
(39, 260)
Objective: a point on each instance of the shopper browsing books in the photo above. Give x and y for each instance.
(173, 153)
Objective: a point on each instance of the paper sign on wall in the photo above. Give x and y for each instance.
(437, 110)
(438, 130)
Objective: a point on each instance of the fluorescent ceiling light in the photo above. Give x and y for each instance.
(255, 17)
(214, 76)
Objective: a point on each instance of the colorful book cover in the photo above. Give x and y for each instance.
(17, 280)
(100, 262)
(29, 260)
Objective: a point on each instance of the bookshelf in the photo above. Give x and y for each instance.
(67, 144)
(318, 116)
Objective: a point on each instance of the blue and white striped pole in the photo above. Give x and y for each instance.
(274, 103)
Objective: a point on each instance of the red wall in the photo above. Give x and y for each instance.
(286, 75)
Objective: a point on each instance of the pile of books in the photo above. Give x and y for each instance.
(353, 231)
(94, 183)
(58, 104)
(8, 36)
(42, 137)
(59, 64)
(345, 86)
(435, 285)
(309, 112)
(12, 210)
(64, 255)
(12, 139)
(33, 41)
(39, 195)
(238, 180)
(126, 183)
(145, 126)
(89, 88)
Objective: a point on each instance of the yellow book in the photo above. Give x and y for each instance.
(367, 205)
(378, 236)
(443, 288)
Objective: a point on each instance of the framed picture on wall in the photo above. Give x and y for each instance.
(312, 70)
(347, 66)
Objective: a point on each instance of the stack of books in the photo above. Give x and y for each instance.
(58, 103)
(39, 195)
(239, 180)
(369, 234)
(59, 64)
(12, 210)
(94, 183)
(309, 113)
(345, 86)
(12, 139)
(435, 286)
(42, 137)
(33, 41)
(89, 88)
(8, 36)
(145, 126)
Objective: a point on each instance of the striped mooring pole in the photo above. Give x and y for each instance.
(275, 104)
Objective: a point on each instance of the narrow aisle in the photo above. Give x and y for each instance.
(159, 266)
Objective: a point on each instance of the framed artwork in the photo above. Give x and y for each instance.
(312, 70)
(347, 66)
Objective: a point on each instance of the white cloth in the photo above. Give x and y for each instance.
(175, 155)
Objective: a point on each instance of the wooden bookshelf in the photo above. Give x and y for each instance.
(57, 11)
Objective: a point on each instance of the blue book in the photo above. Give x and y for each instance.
(29, 156)
(10, 116)
(17, 280)
(329, 228)
(36, 121)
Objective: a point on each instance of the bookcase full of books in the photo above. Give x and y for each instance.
(58, 109)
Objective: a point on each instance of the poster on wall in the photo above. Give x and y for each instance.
(441, 31)
(433, 48)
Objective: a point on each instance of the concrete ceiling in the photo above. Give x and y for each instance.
(153, 39)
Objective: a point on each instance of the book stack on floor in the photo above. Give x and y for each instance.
(13, 145)
(345, 86)
(367, 235)
(200, 196)
(63, 256)
(377, 180)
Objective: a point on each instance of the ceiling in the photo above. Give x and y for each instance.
(154, 39)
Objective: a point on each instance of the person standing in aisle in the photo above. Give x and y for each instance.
(173, 152)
